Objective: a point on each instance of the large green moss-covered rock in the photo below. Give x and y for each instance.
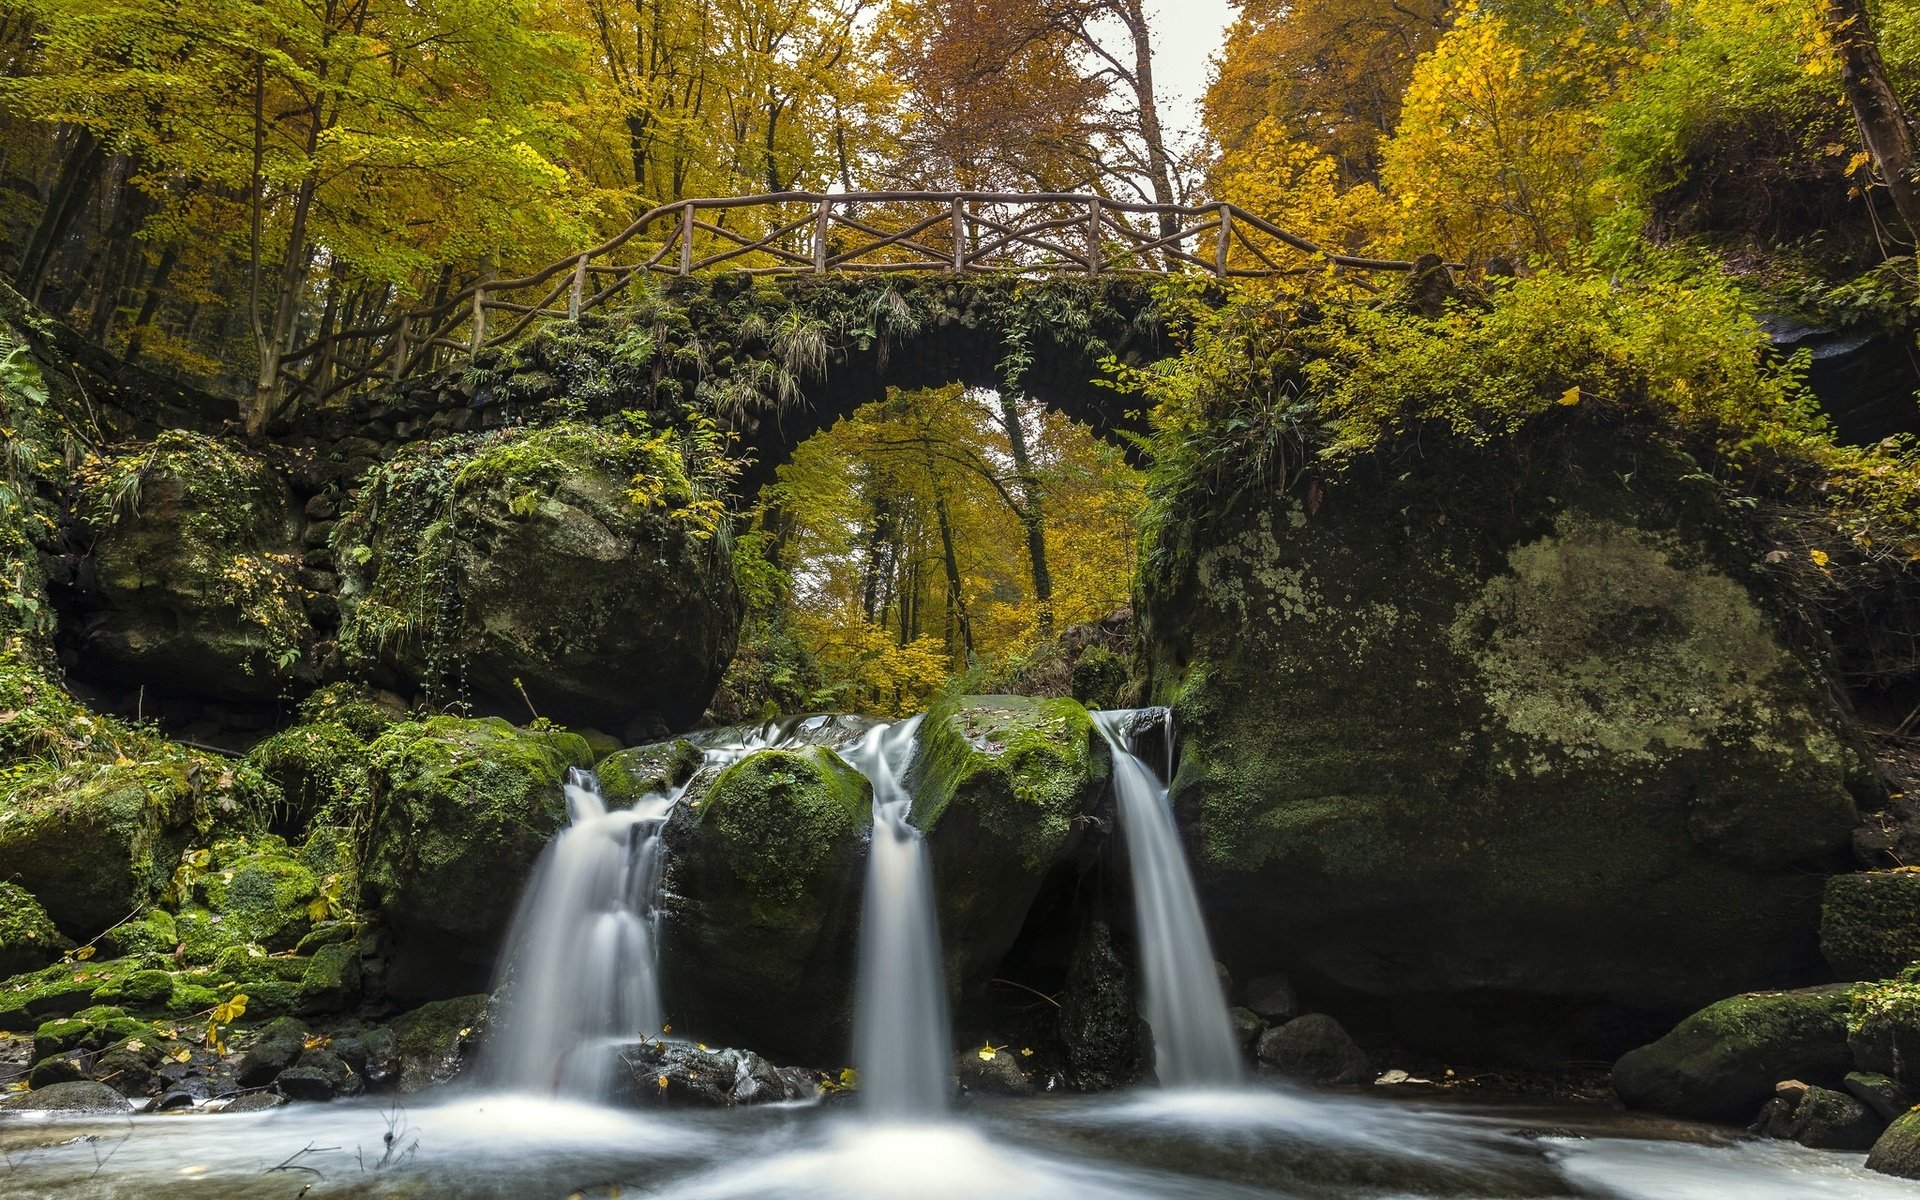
(1001, 783)
(28, 938)
(1721, 1063)
(1509, 751)
(761, 903)
(101, 850)
(192, 579)
(460, 809)
(1898, 1150)
(575, 568)
(1870, 923)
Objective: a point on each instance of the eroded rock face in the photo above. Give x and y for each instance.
(545, 568)
(191, 583)
(1511, 754)
(761, 903)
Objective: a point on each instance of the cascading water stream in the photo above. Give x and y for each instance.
(901, 1035)
(1192, 1034)
(585, 974)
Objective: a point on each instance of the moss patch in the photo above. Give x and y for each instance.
(1870, 923)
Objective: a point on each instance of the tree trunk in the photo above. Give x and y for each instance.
(956, 592)
(1032, 518)
(78, 173)
(1882, 118)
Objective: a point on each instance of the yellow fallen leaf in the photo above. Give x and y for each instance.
(1819, 557)
(663, 1081)
(1570, 397)
(83, 954)
(182, 1054)
(987, 1051)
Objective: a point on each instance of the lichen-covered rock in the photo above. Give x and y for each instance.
(433, 1041)
(1491, 744)
(192, 581)
(576, 568)
(28, 938)
(761, 903)
(627, 775)
(676, 1075)
(1897, 1152)
(74, 1097)
(1721, 1063)
(461, 809)
(1000, 786)
(1870, 923)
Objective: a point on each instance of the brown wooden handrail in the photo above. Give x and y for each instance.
(1025, 233)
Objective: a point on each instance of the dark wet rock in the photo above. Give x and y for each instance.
(1247, 1028)
(370, 1052)
(1883, 1095)
(61, 1068)
(1100, 1030)
(677, 1075)
(1313, 1049)
(1509, 751)
(273, 1049)
(431, 1043)
(75, 1097)
(998, 1073)
(1004, 789)
(192, 587)
(1272, 998)
(466, 807)
(1721, 1063)
(761, 903)
(544, 577)
(1870, 923)
(254, 1102)
(1820, 1119)
(131, 1066)
(318, 1074)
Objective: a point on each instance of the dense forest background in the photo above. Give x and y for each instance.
(203, 185)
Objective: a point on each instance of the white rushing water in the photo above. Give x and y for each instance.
(1193, 1041)
(901, 1036)
(584, 975)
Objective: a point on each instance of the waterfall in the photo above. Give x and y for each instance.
(584, 969)
(1192, 1034)
(901, 1038)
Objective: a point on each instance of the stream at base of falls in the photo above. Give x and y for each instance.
(1240, 1144)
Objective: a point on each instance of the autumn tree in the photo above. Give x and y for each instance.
(321, 146)
(1331, 74)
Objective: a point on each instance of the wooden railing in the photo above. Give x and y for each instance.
(1058, 233)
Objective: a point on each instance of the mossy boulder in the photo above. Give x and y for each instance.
(1883, 1027)
(102, 849)
(320, 768)
(1508, 753)
(1001, 785)
(1897, 1152)
(191, 584)
(761, 903)
(28, 938)
(460, 810)
(1870, 923)
(627, 775)
(432, 1042)
(1721, 1063)
(570, 567)
(261, 896)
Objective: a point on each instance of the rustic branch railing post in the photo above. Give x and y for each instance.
(820, 237)
(400, 348)
(479, 320)
(686, 239)
(1093, 235)
(1221, 242)
(959, 219)
(579, 292)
